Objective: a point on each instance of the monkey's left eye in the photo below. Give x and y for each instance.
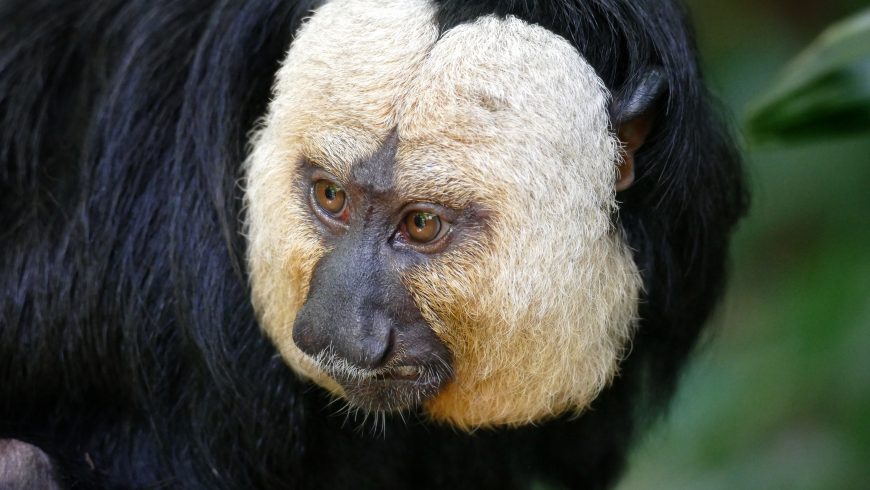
(423, 230)
(329, 196)
(423, 227)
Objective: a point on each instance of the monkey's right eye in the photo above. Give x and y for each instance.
(329, 197)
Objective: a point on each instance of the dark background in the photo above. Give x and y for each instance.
(778, 395)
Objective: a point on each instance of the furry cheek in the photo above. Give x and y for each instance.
(537, 312)
(536, 329)
(283, 250)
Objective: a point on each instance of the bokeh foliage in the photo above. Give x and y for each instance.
(778, 396)
(824, 92)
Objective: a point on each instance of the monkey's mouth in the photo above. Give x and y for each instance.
(401, 373)
(392, 388)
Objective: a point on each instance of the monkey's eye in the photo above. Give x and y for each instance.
(422, 227)
(329, 196)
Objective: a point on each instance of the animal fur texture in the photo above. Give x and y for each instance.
(538, 307)
(155, 253)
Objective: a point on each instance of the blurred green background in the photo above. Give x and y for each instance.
(778, 394)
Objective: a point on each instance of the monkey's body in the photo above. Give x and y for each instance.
(130, 351)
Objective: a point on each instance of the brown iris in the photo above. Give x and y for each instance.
(423, 227)
(330, 196)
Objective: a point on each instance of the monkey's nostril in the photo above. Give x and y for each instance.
(306, 338)
(374, 350)
(389, 348)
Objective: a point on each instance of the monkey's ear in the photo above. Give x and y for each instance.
(632, 116)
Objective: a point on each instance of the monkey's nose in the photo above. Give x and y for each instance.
(366, 341)
(374, 351)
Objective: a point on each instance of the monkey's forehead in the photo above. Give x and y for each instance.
(462, 102)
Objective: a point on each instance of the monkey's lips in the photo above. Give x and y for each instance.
(401, 373)
(392, 388)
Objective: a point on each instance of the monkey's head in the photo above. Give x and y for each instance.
(431, 216)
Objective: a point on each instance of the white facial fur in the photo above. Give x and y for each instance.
(504, 115)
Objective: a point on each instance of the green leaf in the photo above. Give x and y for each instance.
(824, 92)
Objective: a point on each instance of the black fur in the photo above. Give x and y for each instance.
(129, 351)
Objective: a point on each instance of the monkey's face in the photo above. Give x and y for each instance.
(430, 217)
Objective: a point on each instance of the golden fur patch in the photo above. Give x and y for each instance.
(538, 309)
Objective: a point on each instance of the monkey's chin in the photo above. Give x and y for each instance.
(391, 390)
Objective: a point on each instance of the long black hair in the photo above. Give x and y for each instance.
(129, 350)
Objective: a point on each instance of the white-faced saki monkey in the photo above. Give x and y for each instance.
(350, 243)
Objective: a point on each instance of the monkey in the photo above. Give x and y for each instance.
(352, 243)
(391, 299)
